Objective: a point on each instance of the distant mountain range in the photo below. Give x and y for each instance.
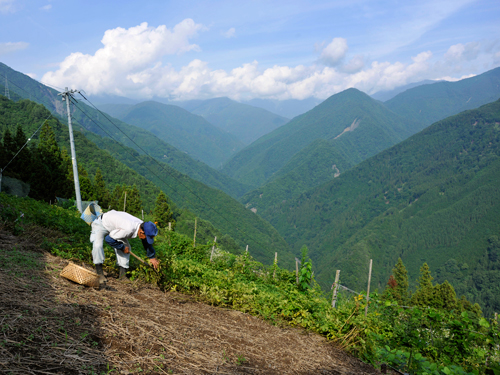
(96, 123)
(289, 108)
(180, 128)
(123, 164)
(427, 104)
(246, 122)
(432, 198)
(389, 94)
(356, 124)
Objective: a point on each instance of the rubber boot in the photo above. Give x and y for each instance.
(102, 278)
(123, 273)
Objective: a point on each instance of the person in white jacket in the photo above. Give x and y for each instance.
(116, 228)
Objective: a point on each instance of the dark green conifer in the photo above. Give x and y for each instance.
(425, 290)
(133, 203)
(445, 297)
(162, 213)
(101, 192)
(400, 291)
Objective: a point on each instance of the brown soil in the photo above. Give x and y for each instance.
(51, 325)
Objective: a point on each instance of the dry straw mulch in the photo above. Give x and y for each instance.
(53, 326)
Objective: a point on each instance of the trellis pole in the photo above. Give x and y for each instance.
(194, 237)
(368, 289)
(335, 289)
(213, 248)
(275, 264)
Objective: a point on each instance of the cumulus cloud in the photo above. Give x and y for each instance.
(130, 64)
(10, 47)
(231, 33)
(125, 53)
(333, 53)
(463, 52)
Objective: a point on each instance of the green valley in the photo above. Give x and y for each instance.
(432, 198)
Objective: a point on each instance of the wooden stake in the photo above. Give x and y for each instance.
(246, 251)
(142, 214)
(335, 289)
(297, 270)
(368, 289)
(275, 264)
(213, 248)
(194, 238)
(124, 201)
(169, 226)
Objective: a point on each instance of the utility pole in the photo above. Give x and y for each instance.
(66, 95)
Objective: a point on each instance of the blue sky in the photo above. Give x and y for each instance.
(247, 49)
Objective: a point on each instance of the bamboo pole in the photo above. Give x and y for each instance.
(194, 237)
(335, 289)
(275, 264)
(368, 289)
(297, 270)
(213, 248)
(124, 201)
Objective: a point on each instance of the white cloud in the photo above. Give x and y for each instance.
(10, 47)
(46, 7)
(231, 33)
(31, 75)
(130, 64)
(333, 53)
(460, 52)
(126, 53)
(6, 6)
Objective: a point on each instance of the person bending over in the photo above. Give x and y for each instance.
(116, 228)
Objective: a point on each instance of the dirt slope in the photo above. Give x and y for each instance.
(53, 326)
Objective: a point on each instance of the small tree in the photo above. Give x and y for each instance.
(101, 192)
(162, 213)
(425, 290)
(400, 273)
(134, 203)
(305, 272)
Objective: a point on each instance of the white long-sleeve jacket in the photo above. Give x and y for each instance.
(121, 225)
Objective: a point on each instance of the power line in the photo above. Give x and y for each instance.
(74, 102)
(161, 166)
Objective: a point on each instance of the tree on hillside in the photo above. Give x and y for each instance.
(134, 202)
(50, 175)
(22, 164)
(162, 213)
(101, 192)
(425, 290)
(445, 296)
(401, 276)
(86, 187)
(115, 203)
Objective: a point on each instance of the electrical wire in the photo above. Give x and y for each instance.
(29, 139)
(75, 103)
(162, 168)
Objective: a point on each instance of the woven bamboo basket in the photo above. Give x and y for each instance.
(80, 275)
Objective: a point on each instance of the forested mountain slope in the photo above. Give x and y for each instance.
(319, 162)
(432, 198)
(289, 108)
(93, 121)
(429, 103)
(120, 164)
(185, 131)
(246, 122)
(358, 124)
(389, 94)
